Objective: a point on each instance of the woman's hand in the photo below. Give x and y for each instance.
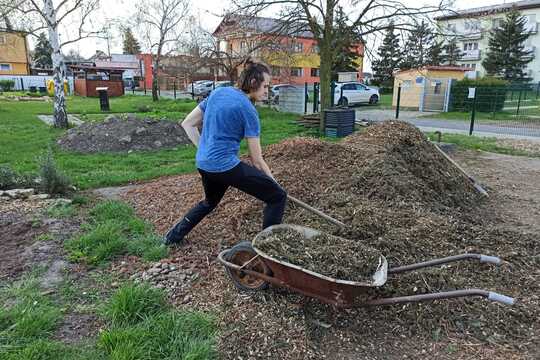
(255, 153)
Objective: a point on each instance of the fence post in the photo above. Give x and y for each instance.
(398, 101)
(537, 90)
(174, 89)
(22, 84)
(305, 98)
(332, 90)
(519, 102)
(473, 114)
(192, 91)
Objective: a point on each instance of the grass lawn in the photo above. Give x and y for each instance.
(24, 138)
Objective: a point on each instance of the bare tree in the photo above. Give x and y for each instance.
(34, 15)
(368, 17)
(160, 23)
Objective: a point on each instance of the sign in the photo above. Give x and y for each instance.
(472, 93)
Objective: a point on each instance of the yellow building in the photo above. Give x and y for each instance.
(427, 88)
(14, 55)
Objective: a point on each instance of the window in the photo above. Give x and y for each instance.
(315, 72)
(298, 47)
(419, 80)
(297, 72)
(349, 87)
(5, 67)
(360, 87)
(470, 46)
(472, 25)
(451, 28)
(497, 23)
(243, 45)
(437, 86)
(315, 49)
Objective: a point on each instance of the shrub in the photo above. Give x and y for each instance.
(490, 94)
(53, 181)
(7, 85)
(10, 179)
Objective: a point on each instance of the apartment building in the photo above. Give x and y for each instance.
(472, 28)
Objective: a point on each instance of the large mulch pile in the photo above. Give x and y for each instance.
(398, 195)
(124, 135)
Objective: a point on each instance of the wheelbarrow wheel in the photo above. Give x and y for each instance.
(240, 254)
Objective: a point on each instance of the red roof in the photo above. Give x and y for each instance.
(437, 68)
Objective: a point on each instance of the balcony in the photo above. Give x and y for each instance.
(531, 28)
(471, 35)
(471, 55)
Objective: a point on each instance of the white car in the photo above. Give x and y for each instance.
(355, 93)
(273, 93)
(202, 87)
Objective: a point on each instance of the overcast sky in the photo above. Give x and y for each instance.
(208, 12)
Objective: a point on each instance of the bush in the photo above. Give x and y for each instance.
(10, 179)
(53, 181)
(490, 95)
(7, 85)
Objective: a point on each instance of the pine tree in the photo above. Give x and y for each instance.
(435, 54)
(131, 45)
(418, 45)
(388, 59)
(452, 53)
(344, 39)
(506, 56)
(43, 53)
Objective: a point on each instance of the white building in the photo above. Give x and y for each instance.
(472, 27)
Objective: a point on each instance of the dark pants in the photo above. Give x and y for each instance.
(243, 177)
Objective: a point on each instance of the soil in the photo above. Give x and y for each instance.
(124, 135)
(398, 195)
(328, 255)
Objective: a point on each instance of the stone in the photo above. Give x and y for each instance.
(19, 193)
(131, 117)
(140, 130)
(39, 197)
(110, 119)
(157, 143)
(125, 139)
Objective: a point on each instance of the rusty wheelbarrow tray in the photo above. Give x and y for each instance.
(252, 269)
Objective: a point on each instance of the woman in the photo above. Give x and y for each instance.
(227, 116)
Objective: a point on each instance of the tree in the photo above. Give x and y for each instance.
(506, 56)
(36, 17)
(418, 47)
(452, 52)
(346, 40)
(160, 22)
(42, 52)
(131, 45)
(436, 55)
(389, 58)
(369, 17)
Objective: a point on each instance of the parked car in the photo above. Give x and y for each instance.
(223, 83)
(202, 87)
(273, 93)
(347, 93)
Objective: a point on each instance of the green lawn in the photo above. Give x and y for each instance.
(24, 138)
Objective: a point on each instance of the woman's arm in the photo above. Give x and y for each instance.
(191, 124)
(255, 153)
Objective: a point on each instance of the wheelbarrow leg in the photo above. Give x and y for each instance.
(482, 258)
(492, 296)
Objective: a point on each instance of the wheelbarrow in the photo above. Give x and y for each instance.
(251, 269)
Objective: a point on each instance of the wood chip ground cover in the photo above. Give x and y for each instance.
(328, 255)
(402, 198)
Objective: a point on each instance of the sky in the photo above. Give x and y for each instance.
(115, 12)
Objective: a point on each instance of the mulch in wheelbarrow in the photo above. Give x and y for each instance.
(399, 196)
(325, 254)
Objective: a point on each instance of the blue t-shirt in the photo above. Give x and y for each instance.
(229, 116)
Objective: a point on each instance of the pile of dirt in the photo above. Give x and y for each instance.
(119, 135)
(324, 254)
(398, 195)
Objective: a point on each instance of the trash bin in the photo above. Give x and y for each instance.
(103, 98)
(42, 89)
(33, 89)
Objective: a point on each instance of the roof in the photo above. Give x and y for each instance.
(87, 67)
(264, 25)
(436, 68)
(489, 10)
(117, 65)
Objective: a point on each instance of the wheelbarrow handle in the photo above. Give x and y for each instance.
(490, 295)
(482, 258)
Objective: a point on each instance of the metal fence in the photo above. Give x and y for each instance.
(25, 82)
(506, 110)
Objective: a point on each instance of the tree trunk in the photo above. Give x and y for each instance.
(60, 114)
(155, 82)
(327, 56)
